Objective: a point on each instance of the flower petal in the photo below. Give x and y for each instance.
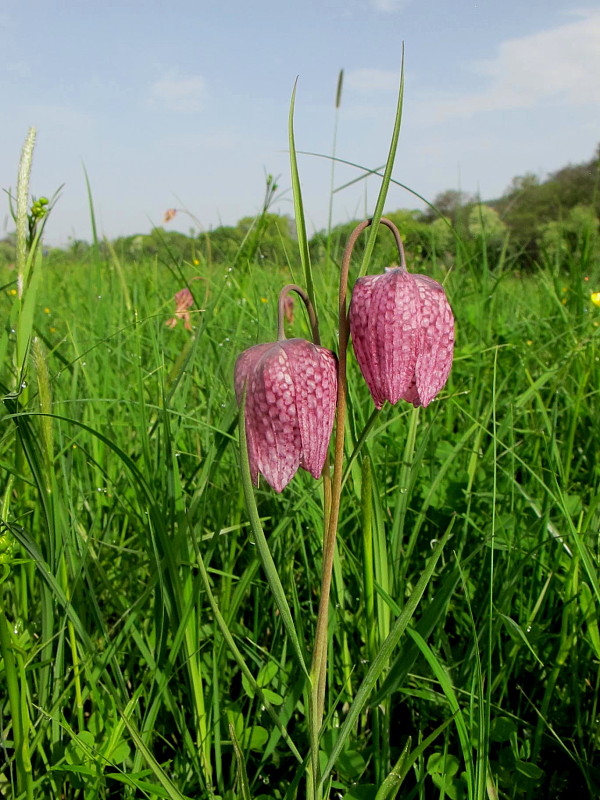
(290, 407)
(364, 334)
(436, 339)
(314, 371)
(271, 399)
(244, 366)
(395, 315)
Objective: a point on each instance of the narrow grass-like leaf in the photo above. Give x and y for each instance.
(299, 208)
(393, 782)
(239, 658)
(383, 656)
(171, 790)
(242, 775)
(387, 174)
(448, 689)
(95, 242)
(263, 548)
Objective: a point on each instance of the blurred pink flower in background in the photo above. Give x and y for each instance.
(183, 301)
(288, 308)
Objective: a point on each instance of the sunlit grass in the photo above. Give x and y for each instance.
(151, 648)
(129, 685)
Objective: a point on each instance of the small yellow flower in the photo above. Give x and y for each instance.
(595, 297)
(46, 311)
(263, 300)
(564, 301)
(13, 291)
(52, 330)
(564, 289)
(196, 262)
(529, 342)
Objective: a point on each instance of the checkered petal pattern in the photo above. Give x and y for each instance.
(290, 407)
(402, 331)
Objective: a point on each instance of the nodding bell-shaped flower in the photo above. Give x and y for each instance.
(291, 393)
(403, 335)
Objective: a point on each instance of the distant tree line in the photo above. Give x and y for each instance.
(534, 220)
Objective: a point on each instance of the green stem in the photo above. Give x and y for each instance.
(319, 664)
(18, 708)
(73, 645)
(369, 596)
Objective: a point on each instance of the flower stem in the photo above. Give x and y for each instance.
(19, 712)
(312, 317)
(318, 671)
(319, 663)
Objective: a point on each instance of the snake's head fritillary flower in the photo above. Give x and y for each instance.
(403, 334)
(291, 392)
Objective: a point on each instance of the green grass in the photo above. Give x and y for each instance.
(119, 500)
(156, 625)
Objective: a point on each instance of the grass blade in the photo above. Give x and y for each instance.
(384, 654)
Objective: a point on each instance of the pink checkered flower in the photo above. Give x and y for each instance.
(403, 335)
(291, 392)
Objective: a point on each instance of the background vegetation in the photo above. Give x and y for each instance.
(533, 216)
(120, 484)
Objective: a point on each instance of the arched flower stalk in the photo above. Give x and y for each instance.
(403, 334)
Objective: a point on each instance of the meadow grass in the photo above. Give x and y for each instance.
(123, 504)
(145, 650)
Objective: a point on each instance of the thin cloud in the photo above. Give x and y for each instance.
(389, 6)
(179, 94)
(559, 65)
(373, 80)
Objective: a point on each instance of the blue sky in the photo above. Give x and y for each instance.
(184, 104)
